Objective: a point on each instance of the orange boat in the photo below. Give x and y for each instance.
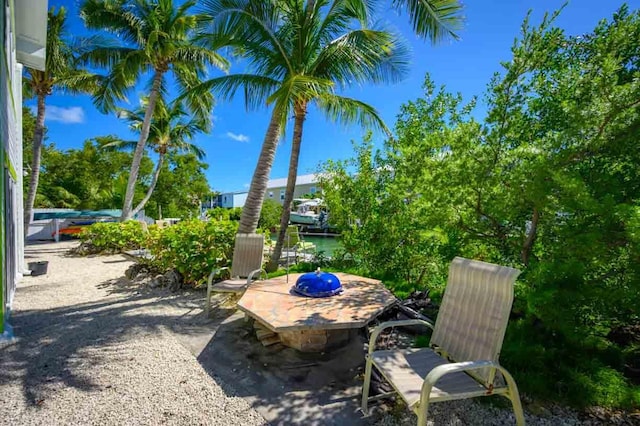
(72, 230)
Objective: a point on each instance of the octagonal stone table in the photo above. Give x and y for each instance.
(315, 324)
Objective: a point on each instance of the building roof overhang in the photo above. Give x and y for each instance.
(31, 32)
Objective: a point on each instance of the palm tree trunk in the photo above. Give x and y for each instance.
(35, 164)
(253, 205)
(152, 186)
(139, 152)
(300, 116)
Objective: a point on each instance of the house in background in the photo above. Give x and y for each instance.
(305, 184)
(23, 28)
(231, 200)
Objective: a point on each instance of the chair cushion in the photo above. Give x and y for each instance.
(406, 369)
(234, 285)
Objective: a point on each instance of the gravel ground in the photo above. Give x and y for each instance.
(92, 349)
(471, 412)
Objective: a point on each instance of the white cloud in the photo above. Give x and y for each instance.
(246, 185)
(65, 115)
(237, 137)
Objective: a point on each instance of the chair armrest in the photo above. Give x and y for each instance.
(260, 273)
(376, 331)
(214, 273)
(455, 367)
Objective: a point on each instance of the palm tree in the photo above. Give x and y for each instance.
(171, 130)
(325, 54)
(153, 38)
(60, 74)
(299, 55)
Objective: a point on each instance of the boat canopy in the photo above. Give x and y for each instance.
(312, 203)
(78, 214)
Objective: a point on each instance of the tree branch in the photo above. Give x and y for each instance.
(531, 237)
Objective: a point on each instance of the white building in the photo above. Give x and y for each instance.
(23, 29)
(305, 184)
(230, 200)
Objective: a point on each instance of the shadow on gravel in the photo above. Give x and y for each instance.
(52, 343)
(284, 385)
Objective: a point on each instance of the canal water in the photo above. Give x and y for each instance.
(326, 244)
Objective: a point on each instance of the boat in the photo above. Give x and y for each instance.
(308, 212)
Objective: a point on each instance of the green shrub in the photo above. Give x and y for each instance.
(222, 213)
(192, 248)
(270, 214)
(583, 373)
(112, 237)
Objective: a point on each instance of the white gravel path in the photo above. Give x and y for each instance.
(91, 350)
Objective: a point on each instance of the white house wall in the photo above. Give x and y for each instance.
(31, 21)
(239, 199)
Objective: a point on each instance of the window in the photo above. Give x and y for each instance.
(282, 195)
(270, 194)
(313, 190)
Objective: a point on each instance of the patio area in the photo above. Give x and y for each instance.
(315, 324)
(89, 339)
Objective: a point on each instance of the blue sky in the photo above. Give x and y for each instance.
(234, 144)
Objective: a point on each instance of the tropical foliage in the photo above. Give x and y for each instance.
(60, 74)
(224, 213)
(192, 248)
(94, 178)
(270, 215)
(181, 188)
(151, 39)
(302, 52)
(112, 237)
(548, 182)
(85, 178)
(171, 131)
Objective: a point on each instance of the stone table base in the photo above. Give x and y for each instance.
(316, 340)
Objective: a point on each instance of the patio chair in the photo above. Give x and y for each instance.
(462, 361)
(294, 243)
(245, 267)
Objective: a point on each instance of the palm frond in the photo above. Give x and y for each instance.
(201, 103)
(171, 127)
(436, 20)
(363, 56)
(112, 88)
(340, 15)
(300, 88)
(27, 88)
(257, 88)
(61, 68)
(112, 143)
(190, 149)
(350, 111)
(236, 22)
(114, 16)
(108, 56)
(78, 81)
(195, 54)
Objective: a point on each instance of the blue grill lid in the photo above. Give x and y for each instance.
(318, 284)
